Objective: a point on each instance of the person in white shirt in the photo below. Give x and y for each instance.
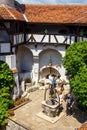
(51, 80)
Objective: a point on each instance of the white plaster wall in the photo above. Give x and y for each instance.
(44, 53)
(24, 59)
(44, 57)
(11, 61)
(5, 47)
(24, 62)
(35, 51)
(2, 58)
(44, 60)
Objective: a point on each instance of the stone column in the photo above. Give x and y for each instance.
(35, 73)
(16, 89)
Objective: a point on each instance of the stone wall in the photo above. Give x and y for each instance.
(12, 125)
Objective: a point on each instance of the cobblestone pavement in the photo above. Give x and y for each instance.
(26, 115)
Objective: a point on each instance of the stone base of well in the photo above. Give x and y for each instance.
(50, 119)
(50, 108)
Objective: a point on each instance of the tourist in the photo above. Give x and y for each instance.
(61, 87)
(51, 80)
(60, 97)
(58, 81)
(60, 101)
(69, 104)
(52, 92)
(54, 82)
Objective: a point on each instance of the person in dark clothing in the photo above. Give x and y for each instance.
(54, 82)
(69, 104)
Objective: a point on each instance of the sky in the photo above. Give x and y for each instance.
(53, 1)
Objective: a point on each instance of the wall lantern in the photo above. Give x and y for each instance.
(81, 32)
(45, 31)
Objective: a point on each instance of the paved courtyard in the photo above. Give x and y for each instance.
(26, 115)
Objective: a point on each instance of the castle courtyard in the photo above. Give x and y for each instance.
(27, 116)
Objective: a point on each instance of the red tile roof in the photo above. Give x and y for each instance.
(47, 13)
(8, 13)
(83, 126)
(56, 13)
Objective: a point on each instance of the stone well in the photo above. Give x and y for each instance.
(50, 107)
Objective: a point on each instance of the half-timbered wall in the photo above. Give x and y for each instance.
(5, 45)
(40, 42)
(19, 38)
(55, 33)
(50, 40)
(46, 39)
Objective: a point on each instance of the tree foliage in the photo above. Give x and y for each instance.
(6, 86)
(75, 62)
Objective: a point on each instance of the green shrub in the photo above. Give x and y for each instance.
(75, 62)
(6, 86)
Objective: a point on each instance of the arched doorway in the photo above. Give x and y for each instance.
(24, 62)
(49, 60)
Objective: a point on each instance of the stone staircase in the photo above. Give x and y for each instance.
(30, 89)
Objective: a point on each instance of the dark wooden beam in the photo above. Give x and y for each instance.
(56, 38)
(43, 38)
(20, 44)
(1, 54)
(65, 40)
(47, 43)
(49, 38)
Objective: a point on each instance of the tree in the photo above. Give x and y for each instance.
(6, 86)
(75, 62)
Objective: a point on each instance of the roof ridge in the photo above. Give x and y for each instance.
(56, 4)
(9, 12)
